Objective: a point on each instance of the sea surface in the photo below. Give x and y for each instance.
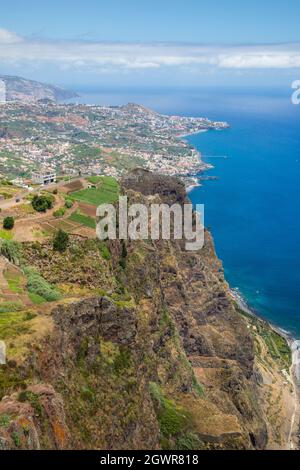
(253, 208)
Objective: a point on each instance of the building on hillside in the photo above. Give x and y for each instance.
(43, 177)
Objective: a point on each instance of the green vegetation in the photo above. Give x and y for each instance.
(8, 223)
(6, 235)
(6, 182)
(174, 421)
(95, 179)
(122, 361)
(60, 241)
(13, 324)
(43, 202)
(16, 438)
(36, 299)
(14, 281)
(10, 307)
(4, 421)
(83, 219)
(107, 192)
(277, 347)
(69, 204)
(104, 250)
(10, 250)
(33, 399)
(276, 344)
(60, 212)
(36, 284)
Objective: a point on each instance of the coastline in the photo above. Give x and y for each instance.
(294, 371)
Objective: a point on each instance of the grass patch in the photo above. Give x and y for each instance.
(104, 250)
(10, 250)
(6, 234)
(276, 344)
(13, 324)
(106, 193)
(14, 281)
(36, 298)
(174, 421)
(59, 213)
(95, 179)
(83, 219)
(10, 307)
(36, 284)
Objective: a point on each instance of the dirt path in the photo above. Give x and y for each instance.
(27, 229)
(6, 294)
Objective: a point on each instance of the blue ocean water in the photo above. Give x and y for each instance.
(253, 209)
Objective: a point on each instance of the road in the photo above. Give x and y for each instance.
(9, 203)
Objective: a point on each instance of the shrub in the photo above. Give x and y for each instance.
(60, 241)
(55, 191)
(173, 420)
(8, 223)
(10, 250)
(41, 203)
(60, 212)
(104, 250)
(36, 284)
(68, 203)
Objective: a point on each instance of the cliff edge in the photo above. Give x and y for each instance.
(146, 350)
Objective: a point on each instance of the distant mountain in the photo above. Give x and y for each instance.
(30, 91)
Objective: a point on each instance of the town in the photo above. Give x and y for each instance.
(74, 140)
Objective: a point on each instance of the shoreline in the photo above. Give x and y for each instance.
(294, 371)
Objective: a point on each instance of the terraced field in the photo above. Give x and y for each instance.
(106, 191)
(83, 219)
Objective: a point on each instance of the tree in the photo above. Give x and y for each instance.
(41, 203)
(60, 241)
(8, 223)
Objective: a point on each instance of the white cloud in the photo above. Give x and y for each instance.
(8, 37)
(124, 56)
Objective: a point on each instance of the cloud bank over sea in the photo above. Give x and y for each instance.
(115, 56)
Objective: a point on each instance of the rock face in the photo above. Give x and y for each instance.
(170, 190)
(163, 360)
(29, 91)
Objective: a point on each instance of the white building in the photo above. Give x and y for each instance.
(43, 177)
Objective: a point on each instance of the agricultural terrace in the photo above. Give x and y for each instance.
(104, 190)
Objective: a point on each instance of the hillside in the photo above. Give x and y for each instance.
(30, 91)
(141, 346)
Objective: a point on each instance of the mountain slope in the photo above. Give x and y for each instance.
(29, 91)
(146, 350)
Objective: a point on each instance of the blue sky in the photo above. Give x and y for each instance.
(154, 42)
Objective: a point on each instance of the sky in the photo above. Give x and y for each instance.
(151, 43)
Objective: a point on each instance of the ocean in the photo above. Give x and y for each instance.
(253, 207)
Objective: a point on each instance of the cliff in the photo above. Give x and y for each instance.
(146, 351)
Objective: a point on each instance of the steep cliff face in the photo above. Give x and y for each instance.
(155, 355)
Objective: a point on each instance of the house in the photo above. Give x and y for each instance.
(44, 177)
